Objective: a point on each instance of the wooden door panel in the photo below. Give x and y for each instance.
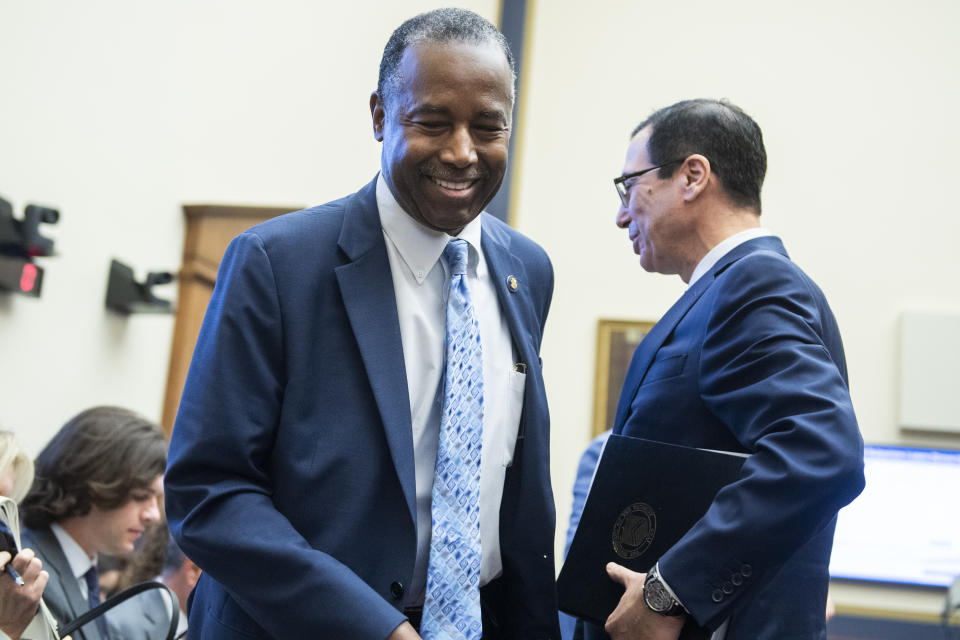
(208, 232)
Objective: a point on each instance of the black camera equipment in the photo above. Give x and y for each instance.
(20, 243)
(125, 295)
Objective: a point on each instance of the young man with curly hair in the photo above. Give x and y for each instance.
(97, 488)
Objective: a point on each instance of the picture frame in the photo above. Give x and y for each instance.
(616, 342)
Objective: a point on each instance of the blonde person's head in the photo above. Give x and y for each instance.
(16, 468)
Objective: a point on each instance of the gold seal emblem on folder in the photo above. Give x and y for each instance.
(634, 530)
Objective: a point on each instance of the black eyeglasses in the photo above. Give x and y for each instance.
(624, 189)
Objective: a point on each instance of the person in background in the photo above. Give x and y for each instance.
(364, 424)
(748, 360)
(146, 561)
(18, 603)
(159, 559)
(147, 615)
(181, 575)
(97, 486)
(16, 468)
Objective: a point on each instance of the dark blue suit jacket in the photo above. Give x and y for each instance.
(290, 479)
(750, 359)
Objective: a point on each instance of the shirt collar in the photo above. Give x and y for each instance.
(76, 557)
(418, 245)
(722, 249)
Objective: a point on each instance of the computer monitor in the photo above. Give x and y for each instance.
(905, 526)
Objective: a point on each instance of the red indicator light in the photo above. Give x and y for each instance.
(28, 278)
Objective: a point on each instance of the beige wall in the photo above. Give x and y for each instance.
(858, 102)
(117, 113)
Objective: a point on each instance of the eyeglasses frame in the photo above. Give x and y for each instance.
(623, 192)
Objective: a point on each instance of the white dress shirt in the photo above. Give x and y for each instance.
(77, 558)
(722, 249)
(421, 284)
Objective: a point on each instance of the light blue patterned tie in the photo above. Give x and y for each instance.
(452, 607)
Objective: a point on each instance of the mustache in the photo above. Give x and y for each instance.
(442, 172)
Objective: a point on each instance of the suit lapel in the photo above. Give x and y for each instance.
(652, 342)
(514, 304)
(55, 562)
(366, 286)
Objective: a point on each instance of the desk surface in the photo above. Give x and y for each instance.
(918, 604)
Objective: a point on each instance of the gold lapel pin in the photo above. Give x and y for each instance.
(512, 283)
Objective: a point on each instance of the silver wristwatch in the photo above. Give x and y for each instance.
(658, 596)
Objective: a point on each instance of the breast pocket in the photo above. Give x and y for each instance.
(663, 368)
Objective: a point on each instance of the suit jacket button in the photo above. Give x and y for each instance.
(717, 595)
(746, 570)
(727, 588)
(396, 590)
(736, 579)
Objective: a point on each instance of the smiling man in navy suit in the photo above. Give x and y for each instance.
(302, 462)
(748, 360)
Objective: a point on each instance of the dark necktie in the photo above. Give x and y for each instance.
(93, 598)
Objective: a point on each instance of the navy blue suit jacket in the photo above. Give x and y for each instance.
(290, 479)
(750, 360)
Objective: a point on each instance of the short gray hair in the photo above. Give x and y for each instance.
(439, 25)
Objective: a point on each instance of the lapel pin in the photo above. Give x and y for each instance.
(512, 284)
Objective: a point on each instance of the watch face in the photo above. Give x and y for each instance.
(656, 596)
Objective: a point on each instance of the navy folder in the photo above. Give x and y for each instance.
(645, 496)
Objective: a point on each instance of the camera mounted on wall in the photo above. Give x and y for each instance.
(21, 242)
(125, 295)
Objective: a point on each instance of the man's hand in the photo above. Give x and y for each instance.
(404, 632)
(633, 619)
(19, 604)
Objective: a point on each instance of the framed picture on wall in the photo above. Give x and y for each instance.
(616, 342)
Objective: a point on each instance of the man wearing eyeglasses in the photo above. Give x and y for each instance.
(749, 360)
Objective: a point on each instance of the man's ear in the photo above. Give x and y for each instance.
(695, 174)
(378, 113)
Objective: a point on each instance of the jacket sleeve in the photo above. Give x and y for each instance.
(218, 483)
